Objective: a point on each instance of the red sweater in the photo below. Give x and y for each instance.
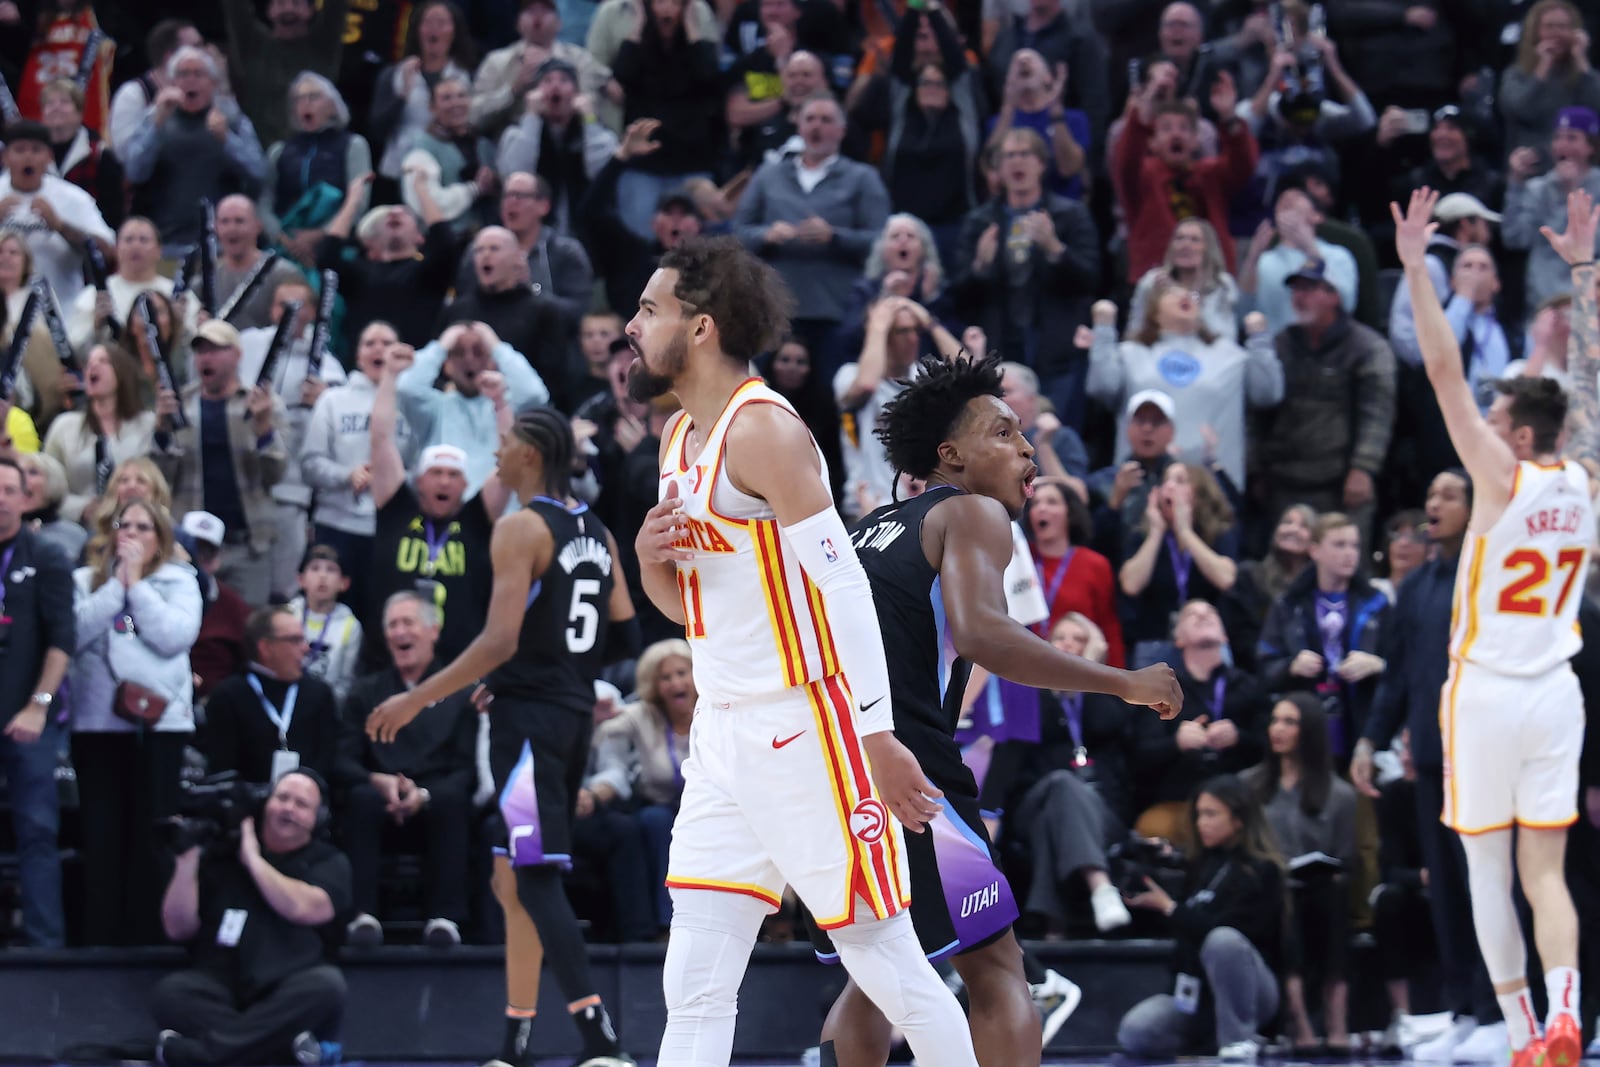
(1145, 188)
(1088, 588)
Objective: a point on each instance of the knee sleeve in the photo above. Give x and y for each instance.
(1494, 916)
(709, 948)
(887, 963)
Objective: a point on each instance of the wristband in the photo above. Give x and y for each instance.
(1585, 263)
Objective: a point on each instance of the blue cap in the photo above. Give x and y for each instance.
(1312, 270)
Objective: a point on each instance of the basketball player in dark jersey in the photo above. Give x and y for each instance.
(945, 553)
(558, 613)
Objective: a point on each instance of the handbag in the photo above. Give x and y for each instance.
(138, 704)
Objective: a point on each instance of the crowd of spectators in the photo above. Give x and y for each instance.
(265, 505)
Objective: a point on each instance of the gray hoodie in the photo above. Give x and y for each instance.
(337, 442)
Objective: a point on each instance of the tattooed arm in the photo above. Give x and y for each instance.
(1577, 247)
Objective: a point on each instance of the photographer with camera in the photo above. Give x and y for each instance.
(138, 613)
(260, 989)
(1228, 930)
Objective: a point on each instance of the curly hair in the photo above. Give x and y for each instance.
(914, 424)
(744, 296)
(549, 432)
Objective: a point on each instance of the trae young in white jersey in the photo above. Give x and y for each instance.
(1511, 712)
(793, 766)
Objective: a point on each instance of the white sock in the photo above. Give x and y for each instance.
(1561, 983)
(1522, 1026)
(886, 960)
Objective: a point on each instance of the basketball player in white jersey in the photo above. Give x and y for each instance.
(1511, 713)
(793, 768)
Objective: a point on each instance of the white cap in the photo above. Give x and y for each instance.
(1458, 206)
(204, 526)
(443, 457)
(1156, 397)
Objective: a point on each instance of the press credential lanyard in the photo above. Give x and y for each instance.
(279, 719)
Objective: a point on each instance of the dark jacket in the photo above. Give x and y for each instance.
(1110, 729)
(1417, 650)
(681, 86)
(1228, 888)
(38, 598)
(370, 288)
(1291, 627)
(619, 255)
(1166, 773)
(530, 324)
(1338, 406)
(1059, 292)
(1393, 60)
(438, 750)
(240, 737)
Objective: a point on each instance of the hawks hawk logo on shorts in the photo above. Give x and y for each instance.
(868, 820)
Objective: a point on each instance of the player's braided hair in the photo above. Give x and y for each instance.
(914, 424)
(547, 430)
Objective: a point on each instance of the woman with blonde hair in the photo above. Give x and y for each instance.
(1206, 380)
(1066, 794)
(46, 486)
(1195, 262)
(137, 614)
(110, 427)
(640, 753)
(135, 479)
(1183, 550)
(1551, 72)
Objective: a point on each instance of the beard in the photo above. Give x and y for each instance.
(644, 385)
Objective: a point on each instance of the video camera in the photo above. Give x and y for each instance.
(1138, 858)
(211, 811)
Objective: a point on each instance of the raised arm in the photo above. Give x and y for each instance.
(388, 469)
(1576, 246)
(1487, 458)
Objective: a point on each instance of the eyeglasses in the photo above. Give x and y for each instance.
(293, 639)
(932, 83)
(134, 527)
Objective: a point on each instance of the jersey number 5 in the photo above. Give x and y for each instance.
(1524, 595)
(584, 616)
(694, 616)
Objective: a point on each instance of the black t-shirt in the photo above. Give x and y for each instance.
(448, 562)
(889, 544)
(562, 645)
(267, 948)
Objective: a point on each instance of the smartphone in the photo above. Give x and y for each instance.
(1417, 121)
(1135, 73)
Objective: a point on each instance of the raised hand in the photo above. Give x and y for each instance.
(1224, 96)
(1576, 245)
(639, 139)
(1414, 227)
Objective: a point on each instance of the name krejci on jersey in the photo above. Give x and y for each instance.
(581, 550)
(1567, 520)
(878, 536)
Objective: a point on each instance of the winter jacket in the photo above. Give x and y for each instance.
(165, 608)
(1417, 651)
(1338, 407)
(336, 443)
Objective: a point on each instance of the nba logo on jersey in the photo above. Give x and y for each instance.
(829, 553)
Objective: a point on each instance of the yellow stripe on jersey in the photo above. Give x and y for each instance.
(837, 764)
(819, 620)
(785, 633)
(742, 888)
(1474, 587)
(1447, 732)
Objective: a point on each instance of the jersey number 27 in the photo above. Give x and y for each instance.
(1525, 596)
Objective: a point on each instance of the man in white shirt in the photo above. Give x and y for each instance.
(55, 217)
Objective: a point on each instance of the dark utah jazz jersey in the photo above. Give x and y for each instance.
(562, 646)
(905, 590)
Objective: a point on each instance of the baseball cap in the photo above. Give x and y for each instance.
(680, 198)
(1578, 118)
(442, 457)
(203, 526)
(1312, 270)
(1162, 402)
(218, 333)
(1458, 206)
(29, 130)
(555, 65)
